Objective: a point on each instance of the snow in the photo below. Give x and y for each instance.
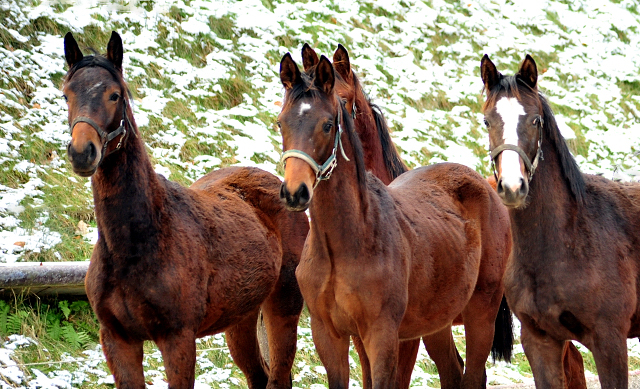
(582, 60)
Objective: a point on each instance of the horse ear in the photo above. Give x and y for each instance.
(72, 52)
(528, 72)
(309, 57)
(341, 62)
(489, 73)
(325, 77)
(115, 51)
(289, 72)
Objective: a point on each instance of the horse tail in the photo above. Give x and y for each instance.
(503, 335)
(392, 159)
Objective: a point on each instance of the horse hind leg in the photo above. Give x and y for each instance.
(443, 352)
(573, 367)
(242, 341)
(364, 362)
(407, 354)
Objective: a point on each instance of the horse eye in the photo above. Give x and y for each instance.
(65, 98)
(327, 127)
(486, 123)
(535, 121)
(279, 124)
(114, 97)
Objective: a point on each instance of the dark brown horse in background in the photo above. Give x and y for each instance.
(576, 258)
(171, 263)
(388, 264)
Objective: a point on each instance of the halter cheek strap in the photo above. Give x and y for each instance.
(106, 137)
(530, 166)
(324, 171)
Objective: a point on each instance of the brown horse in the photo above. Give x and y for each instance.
(171, 263)
(574, 273)
(382, 159)
(388, 263)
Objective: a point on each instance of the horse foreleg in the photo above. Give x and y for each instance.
(124, 360)
(333, 352)
(545, 357)
(407, 354)
(610, 354)
(364, 362)
(242, 341)
(573, 367)
(442, 350)
(179, 355)
(381, 343)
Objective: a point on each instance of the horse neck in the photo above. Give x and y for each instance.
(551, 204)
(365, 125)
(127, 195)
(339, 206)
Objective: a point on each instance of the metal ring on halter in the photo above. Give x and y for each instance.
(530, 166)
(324, 171)
(106, 137)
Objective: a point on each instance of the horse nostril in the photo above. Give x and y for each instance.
(93, 153)
(69, 153)
(283, 192)
(523, 187)
(499, 187)
(303, 194)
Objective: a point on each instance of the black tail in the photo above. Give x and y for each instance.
(503, 336)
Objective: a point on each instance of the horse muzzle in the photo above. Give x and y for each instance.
(513, 192)
(85, 160)
(297, 201)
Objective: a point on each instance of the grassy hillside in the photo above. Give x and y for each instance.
(204, 78)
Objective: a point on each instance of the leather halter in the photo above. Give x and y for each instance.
(106, 137)
(324, 171)
(530, 166)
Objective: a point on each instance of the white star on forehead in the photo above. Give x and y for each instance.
(304, 107)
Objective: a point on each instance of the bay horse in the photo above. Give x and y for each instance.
(388, 263)
(574, 274)
(172, 263)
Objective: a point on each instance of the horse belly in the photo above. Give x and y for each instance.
(442, 280)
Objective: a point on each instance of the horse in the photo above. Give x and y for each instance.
(576, 258)
(172, 264)
(388, 263)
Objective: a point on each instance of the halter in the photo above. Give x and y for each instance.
(324, 171)
(530, 166)
(106, 137)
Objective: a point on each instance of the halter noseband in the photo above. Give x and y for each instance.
(324, 171)
(106, 137)
(530, 166)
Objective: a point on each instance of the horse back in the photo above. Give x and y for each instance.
(457, 189)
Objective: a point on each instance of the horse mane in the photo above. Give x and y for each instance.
(512, 86)
(393, 162)
(308, 89)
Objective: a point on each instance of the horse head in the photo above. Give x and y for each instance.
(310, 123)
(514, 118)
(96, 95)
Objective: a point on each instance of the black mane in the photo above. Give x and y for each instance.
(393, 162)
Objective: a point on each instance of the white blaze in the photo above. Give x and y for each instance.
(510, 111)
(304, 107)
